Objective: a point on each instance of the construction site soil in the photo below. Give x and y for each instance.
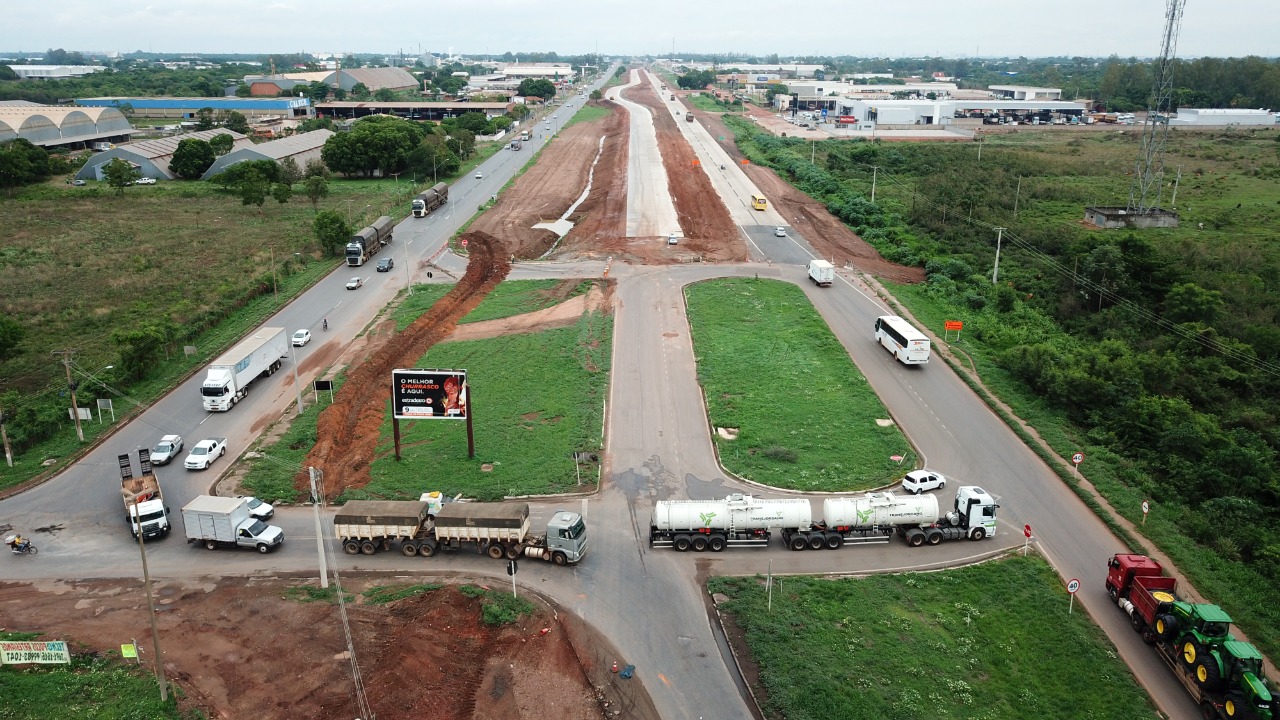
(239, 648)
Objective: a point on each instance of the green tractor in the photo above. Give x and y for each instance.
(1235, 668)
(1195, 627)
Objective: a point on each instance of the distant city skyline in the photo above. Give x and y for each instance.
(977, 28)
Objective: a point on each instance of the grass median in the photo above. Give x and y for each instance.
(796, 412)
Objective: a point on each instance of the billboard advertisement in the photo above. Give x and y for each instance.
(425, 394)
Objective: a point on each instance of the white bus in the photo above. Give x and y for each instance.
(907, 344)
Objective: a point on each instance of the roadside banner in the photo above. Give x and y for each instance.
(35, 651)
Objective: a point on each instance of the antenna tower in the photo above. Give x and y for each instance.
(1148, 177)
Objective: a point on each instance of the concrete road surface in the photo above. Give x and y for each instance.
(650, 210)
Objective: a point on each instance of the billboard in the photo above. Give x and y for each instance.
(422, 394)
(34, 651)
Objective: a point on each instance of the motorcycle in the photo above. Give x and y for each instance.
(20, 546)
(325, 325)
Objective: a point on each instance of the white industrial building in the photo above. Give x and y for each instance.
(1025, 92)
(151, 157)
(865, 114)
(1207, 117)
(60, 126)
(54, 72)
(302, 147)
(538, 71)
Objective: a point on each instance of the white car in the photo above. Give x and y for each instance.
(259, 509)
(355, 283)
(302, 337)
(918, 481)
(779, 231)
(204, 453)
(146, 181)
(672, 239)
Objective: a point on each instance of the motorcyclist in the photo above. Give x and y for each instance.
(325, 324)
(17, 543)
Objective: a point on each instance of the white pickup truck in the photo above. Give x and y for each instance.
(166, 450)
(204, 453)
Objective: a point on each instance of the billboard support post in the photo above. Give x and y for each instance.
(395, 434)
(471, 436)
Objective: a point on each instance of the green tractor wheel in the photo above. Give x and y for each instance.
(1191, 651)
(1208, 673)
(1234, 705)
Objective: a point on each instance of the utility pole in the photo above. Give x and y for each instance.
(1017, 195)
(1173, 202)
(874, 170)
(995, 272)
(71, 385)
(4, 435)
(315, 504)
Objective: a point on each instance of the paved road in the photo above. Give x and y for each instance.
(650, 210)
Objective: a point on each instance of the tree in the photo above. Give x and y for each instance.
(290, 173)
(236, 121)
(120, 174)
(529, 87)
(317, 91)
(16, 166)
(519, 112)
(192, 157)
(281, 192)
(476, 122)
(221, 144)
(249, 170)
(596, 95)
(315, 188)
(774, 90)
(317, 123)
(385, 95)
(332, 231)
(377, 144)
(360, 91)
(253, 188)
(339, 94)
(11, 334)
(204, 118)
(140, 349)
(316, 168)
(243, 90)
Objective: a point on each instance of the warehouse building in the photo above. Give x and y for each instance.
(387, 78)
(151, 157)
(1204, 117)
(54, 72)
(56, 126)
(1025, 92)
(186, 108)
(302, 147)
(411, 110)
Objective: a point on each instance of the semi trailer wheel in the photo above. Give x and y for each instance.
(427, 548)
(834, 540)
(514, 551)
(700, 544)
(496, 551)
(681, 543)
(368, 548)
(915, 538)
(409, 549)
(798, 542)
(716, 543)
(351, 547)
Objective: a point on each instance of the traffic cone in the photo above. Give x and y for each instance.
(615, 666)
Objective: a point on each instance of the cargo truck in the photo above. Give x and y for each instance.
(231, 374)
(429, 200)
(1222, 674)
(821, 272)
(688, 117)
(368, 241)
(228, 522)
(144, 505)
(425, 528)
(744, 520)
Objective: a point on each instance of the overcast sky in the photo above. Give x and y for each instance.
(892, 28)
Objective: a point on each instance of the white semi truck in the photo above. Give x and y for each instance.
(425, 528)
(230, 375)
(228, 522)
(875, 517)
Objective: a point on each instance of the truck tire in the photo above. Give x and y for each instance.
(933, 537)
(700, 543)
(1137, 622)
(368, 548)
(208, 544)
(514, 551)
(798, 542)
(833, 540)
(1166, 626)
(351, 547)
(427, 548)
(816, 541)
(681, 543)
(1208, 674)
(408, 549)
(1209, 712)
(716, 543)
(496, 551)
(264, 548)
(559, 559)
(915, 537)
(977, 533)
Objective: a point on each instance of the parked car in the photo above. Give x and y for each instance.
(146, 181)
(355, 283)
(79, 183)
(302, 337)
(918, 481)
(386, 264)
(672, 239)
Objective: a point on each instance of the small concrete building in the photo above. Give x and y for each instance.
(151, 157)
(301, 147)
(1025, 92)
(1118, 217)
(1215, 117)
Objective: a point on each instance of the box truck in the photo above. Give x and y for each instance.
(228, 522)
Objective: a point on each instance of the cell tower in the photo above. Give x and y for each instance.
(1148, 177)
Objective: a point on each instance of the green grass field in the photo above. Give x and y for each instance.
(993, 641)
(770, 367)
(512, 297)
(587, 113)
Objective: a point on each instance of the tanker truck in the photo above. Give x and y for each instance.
(426, 527)
(875, 517)
(1222, 674)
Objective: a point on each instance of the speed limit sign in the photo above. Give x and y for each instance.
(1073, 585)
(1077, 458)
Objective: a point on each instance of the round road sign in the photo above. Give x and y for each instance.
(1026, 530)
(1073, 585)
(464, 244)
(1145, 507)
(1076, 458)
